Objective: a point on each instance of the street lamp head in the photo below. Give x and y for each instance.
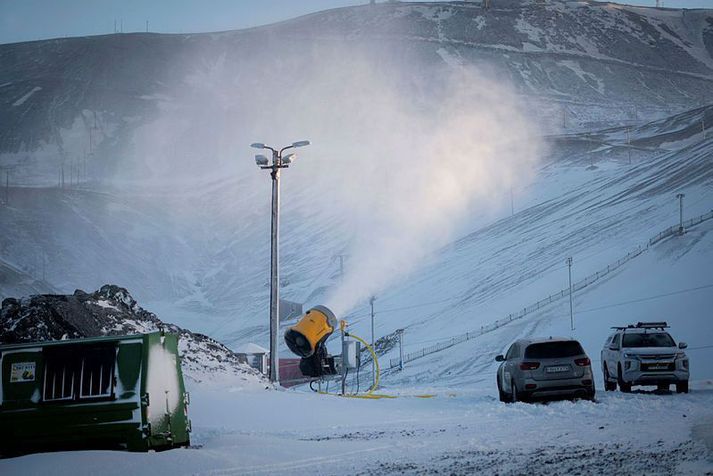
(301, 143)
(261, 160)
(288, 159)
(257, 145)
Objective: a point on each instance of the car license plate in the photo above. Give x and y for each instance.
(560, 368)
(658, 367)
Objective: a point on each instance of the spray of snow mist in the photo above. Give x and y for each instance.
(405, 149)
(403, 170)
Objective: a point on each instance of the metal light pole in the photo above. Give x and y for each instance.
(680, 211)
(512, 203)
(278, 162)
(571, 312)
(400, 332)
(628, 143)
(373, 364)
(342, 327)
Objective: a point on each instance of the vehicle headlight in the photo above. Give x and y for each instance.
(631, 356)
(680, 355)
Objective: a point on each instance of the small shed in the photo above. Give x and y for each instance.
(107, 392)
(291, 374)
(254, 355)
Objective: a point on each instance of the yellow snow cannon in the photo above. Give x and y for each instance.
(311, 331)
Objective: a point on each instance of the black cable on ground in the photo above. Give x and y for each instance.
(357, 376)
(344, 378)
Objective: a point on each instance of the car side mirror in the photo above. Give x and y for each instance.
(499, 358)
(682, 345)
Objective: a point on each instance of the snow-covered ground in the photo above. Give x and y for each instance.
(457, 432)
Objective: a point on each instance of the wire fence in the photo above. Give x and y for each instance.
(672, 230)
(579, 285)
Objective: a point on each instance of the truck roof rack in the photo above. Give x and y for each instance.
(652, 325)
(644, 325)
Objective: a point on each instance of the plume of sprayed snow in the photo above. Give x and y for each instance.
(404, 151)
(403, 172)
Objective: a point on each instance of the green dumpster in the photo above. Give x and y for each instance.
(106, 392)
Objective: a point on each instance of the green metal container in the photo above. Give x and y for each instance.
(106, 392)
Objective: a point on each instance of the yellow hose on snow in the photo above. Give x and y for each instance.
(376, 363)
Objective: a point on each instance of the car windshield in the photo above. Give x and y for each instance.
(553, 350)
(658, 339)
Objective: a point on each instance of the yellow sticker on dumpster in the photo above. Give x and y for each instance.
(22, 372)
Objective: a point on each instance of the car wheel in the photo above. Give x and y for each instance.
(590, 396)
(682, 387)
(623, 386)
(609, 386)
(503, 396)
(513, 392)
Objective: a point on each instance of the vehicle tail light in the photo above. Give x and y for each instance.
(529, 365)
(530, 386)
(585, 362)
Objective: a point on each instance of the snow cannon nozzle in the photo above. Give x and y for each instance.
(310, 332)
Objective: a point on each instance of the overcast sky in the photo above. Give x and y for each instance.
(22, 20)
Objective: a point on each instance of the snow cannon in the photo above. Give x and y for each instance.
(305, 337)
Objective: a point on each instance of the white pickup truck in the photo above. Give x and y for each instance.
(644, 354)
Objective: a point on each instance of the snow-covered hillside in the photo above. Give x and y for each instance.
(670, 281)
(91, 104)
(595, 214)
(82, 239)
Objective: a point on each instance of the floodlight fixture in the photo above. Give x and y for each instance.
(261, 160)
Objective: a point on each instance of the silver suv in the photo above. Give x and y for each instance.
(644, 354)
(544, 368)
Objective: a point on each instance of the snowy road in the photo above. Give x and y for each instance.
(286, 432)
